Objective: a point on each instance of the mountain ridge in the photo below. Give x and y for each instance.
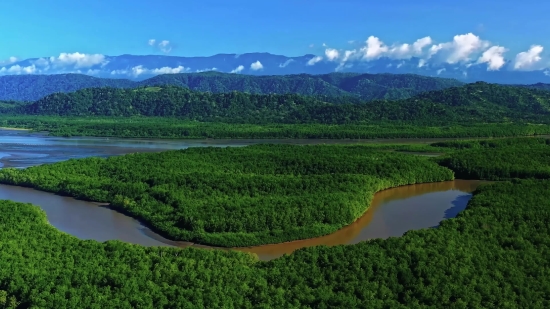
(351, 86)
(139, 67)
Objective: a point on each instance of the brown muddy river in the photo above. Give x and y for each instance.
(392, 213)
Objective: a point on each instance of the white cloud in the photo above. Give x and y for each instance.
(374, 49)
(494, 57)
(314, 60)
(78, 60)
(151, 42)
(17, 70)
(331, 54)
(9, 61)
(206, 70)
(256, 66)
(460, 49)
(141, 70)
(284, 64)
(547, 73)
(440, 71)
(529, 60)
(407, 51)
(238, 69)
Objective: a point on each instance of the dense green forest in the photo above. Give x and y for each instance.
(156, 127)
(507, 159)
(493, 255)
(348, 85)
(240, 196)
(473, 103)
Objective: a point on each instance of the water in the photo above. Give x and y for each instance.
(391, 213)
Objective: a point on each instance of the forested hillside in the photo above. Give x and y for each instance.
(33, 87)
(352, 86)
(479, 102)
(367, 87)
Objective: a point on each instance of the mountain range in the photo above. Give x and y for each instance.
(140, 67)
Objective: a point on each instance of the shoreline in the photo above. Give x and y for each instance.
(14, 129)
(182, 244)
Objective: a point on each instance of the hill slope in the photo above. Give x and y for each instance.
(479, 102)
(360, 86)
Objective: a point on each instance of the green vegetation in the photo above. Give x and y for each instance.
(349, 85)
(499, 159)
(155, 127)
(473, 103)
(240, 196)
(493, 255)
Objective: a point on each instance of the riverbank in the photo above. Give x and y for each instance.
(391, 213)
(288, 193)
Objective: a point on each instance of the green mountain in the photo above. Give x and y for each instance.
(335, 87)
(479, 102)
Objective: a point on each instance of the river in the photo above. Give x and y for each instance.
(392, 212)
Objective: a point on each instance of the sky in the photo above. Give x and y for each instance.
(44, 28)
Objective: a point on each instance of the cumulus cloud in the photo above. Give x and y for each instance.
(256, 66)
(77, 60)
(18, 70)
(314, 60)
(494, 57)
(466, 49)
(375, 48)
(547, 73)
(332, 54)
(529, 60)
(151, 42)
(284, 64)
(238, 69)
(460, 49)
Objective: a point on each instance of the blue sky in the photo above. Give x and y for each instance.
(36, 28)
